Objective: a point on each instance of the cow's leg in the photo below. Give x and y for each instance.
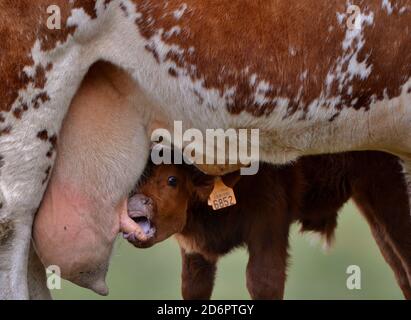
(14, 251)
(37, 280)
(197, 276)
(21, 189)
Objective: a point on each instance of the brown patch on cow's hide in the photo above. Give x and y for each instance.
(224, 43)
(53, 142)
(173, 72)
(335, 116)
(124, 9)
(40, 98)
(6, 230)
(21, 24)
(200, 98)
(40, 78)
(47, 172)
(17, 36)
(153, 51)
(18, 112)
(5, 131)
(43, 135)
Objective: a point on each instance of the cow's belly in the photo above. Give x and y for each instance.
(386, 126)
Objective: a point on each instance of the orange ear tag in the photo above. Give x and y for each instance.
(222, 196)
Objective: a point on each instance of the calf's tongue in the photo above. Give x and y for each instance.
(70, 233)
(145, 225)
(129, 226)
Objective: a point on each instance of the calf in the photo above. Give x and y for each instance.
(176, 197)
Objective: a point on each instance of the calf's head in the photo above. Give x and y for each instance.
(162, 202)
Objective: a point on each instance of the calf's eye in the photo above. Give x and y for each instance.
(172, 181)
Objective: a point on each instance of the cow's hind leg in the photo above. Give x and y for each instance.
(14, 250)
(6, 231)
(23, 179)
(37, 280)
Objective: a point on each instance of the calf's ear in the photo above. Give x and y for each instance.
(231, 179)
(202, 186)
(203, 192)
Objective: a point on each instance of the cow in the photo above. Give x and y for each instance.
(307, 74)
(173, 200)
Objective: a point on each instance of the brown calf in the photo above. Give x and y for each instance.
(173, 199)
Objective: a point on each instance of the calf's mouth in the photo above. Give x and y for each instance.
(139, 228)
(145, 222)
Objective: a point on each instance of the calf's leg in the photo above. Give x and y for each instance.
(266, 268)
(197, 276)
(399, 235)
(384, 203)
(399, 229)
(393, 260)
(387, 249)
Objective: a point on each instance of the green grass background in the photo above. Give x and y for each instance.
(155, 273)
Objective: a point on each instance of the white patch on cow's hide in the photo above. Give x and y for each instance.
(176, 30)
(386, 4)
(352, 45)
(261, 91)
(406, 165)
(178, 14)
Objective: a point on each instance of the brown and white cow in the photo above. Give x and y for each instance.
(299, 70)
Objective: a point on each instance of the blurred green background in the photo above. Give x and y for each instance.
(155, 273)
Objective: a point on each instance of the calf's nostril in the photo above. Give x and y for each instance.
(148, 202)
